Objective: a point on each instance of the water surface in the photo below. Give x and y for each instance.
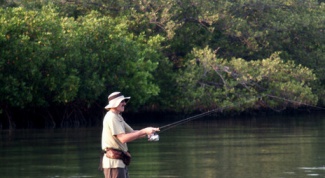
(268, 147)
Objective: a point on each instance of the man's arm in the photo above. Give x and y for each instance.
(128, 137)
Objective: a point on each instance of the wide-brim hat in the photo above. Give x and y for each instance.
(114, 99)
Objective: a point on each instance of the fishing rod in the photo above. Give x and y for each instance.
(155, 136)
(174, 124)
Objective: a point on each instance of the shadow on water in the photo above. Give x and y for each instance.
(275, 147)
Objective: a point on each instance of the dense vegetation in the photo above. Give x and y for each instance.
(60, 59)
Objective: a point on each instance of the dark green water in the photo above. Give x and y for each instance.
(259, 147)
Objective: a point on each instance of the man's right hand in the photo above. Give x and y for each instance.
(150, 130)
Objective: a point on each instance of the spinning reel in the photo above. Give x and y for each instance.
(153, 137)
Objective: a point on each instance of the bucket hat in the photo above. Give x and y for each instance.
(114, 99)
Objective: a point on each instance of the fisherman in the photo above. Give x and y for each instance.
(115, 136)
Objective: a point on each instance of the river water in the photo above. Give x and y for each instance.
(253, 147)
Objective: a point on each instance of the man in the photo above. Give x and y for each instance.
(115, 136)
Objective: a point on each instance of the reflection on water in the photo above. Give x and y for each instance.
(49, 153)
(277, 147)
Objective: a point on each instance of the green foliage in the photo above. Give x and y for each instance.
(73, 54)
(47, 60)
(27, 39)
(209, 82)
(256, 29)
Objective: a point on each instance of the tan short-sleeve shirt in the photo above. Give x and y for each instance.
(113, 125)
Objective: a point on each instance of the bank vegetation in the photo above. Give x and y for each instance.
(59, 60)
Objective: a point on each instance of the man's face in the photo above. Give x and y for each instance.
(120, 107)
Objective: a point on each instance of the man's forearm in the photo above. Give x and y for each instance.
(128, 137)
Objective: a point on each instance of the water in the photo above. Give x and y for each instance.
(274, 147)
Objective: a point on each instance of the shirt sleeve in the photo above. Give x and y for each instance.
(128, 129)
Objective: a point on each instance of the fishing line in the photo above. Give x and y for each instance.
(250, 87)
(293, 101)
